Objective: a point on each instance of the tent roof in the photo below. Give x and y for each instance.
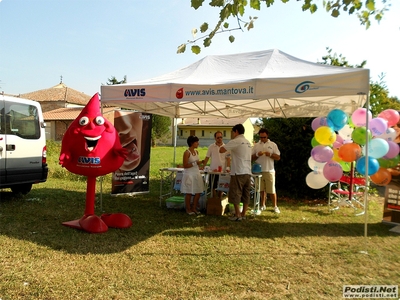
(266, 83)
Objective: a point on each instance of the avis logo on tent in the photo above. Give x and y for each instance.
(135, 92)
(179, 93)
(89, 160)
(304, 86)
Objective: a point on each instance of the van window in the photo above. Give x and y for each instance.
(22, 120)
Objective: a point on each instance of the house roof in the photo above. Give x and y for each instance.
(59, 92)
(67, 113)
(211, 122)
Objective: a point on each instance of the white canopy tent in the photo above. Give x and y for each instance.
(257, 84)
(266, 83)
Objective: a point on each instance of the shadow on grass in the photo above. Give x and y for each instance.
(38, 216)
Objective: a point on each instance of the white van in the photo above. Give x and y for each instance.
(22, 144)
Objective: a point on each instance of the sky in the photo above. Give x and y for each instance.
(89, 41)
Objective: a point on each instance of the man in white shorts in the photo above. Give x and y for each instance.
(265, 152)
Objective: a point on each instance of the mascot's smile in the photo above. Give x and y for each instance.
(91, 142)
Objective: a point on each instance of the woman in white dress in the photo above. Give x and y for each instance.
(192, 181)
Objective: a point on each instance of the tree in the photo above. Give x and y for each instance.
(379, 99)
(237, 8)
(160, 129)
(113, 80)
(339, 60)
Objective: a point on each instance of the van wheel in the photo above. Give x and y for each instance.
(21, 188)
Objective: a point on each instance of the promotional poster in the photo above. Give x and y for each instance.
(134, 130)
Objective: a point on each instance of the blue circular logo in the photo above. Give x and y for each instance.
(302, 87)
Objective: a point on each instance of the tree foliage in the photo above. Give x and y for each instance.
(379, 99)
(339, 60)
(365, 10)
(113, 80)
(160, 128)
(293, 137)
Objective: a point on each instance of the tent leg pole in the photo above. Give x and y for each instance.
(174, 138)
(366, 183)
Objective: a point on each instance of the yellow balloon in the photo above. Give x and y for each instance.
(325, 135)
(336, 156)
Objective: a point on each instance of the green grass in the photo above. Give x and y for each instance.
(303, 253)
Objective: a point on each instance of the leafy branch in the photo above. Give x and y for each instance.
(207, 38)
(236, 9)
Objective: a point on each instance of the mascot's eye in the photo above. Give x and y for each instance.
(99, 120)
(84, 121)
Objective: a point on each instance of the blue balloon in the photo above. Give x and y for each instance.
(373, 165)
(336, 119)
(377, 148)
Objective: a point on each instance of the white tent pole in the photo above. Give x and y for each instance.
(366, 178)
(174, 134)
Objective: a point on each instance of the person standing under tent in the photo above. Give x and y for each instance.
(240, 184)
(192, 181)
(222, 160)
(265, 152)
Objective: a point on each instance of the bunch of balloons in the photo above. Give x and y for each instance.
(340, 140)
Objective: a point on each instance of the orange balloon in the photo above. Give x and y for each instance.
(350, 152)
(382, 177)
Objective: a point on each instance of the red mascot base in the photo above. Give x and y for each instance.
(91, 147)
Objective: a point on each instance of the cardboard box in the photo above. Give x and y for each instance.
(391, 209)
(216, 206)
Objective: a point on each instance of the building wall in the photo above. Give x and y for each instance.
(206, 133)
(203, 132)
(60, 129)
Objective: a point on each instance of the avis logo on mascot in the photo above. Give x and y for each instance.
(91, 147)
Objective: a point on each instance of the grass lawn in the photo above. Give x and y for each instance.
(305, 252)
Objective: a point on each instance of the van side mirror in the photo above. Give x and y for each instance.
(42, 124)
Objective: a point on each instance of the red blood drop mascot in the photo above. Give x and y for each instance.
(91, 147)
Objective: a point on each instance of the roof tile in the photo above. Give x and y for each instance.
(59, 92)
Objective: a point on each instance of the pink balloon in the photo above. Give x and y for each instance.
(391, 116)
(378, 126)
(359, 117)
(339, 142)
(318, 122)
(393, 150)
(333, 171)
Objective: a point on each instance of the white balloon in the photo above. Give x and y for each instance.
(315, 166)
(316, 180)
(345, 133)
(389, 135)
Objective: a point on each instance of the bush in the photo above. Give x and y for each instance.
(293, 137)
